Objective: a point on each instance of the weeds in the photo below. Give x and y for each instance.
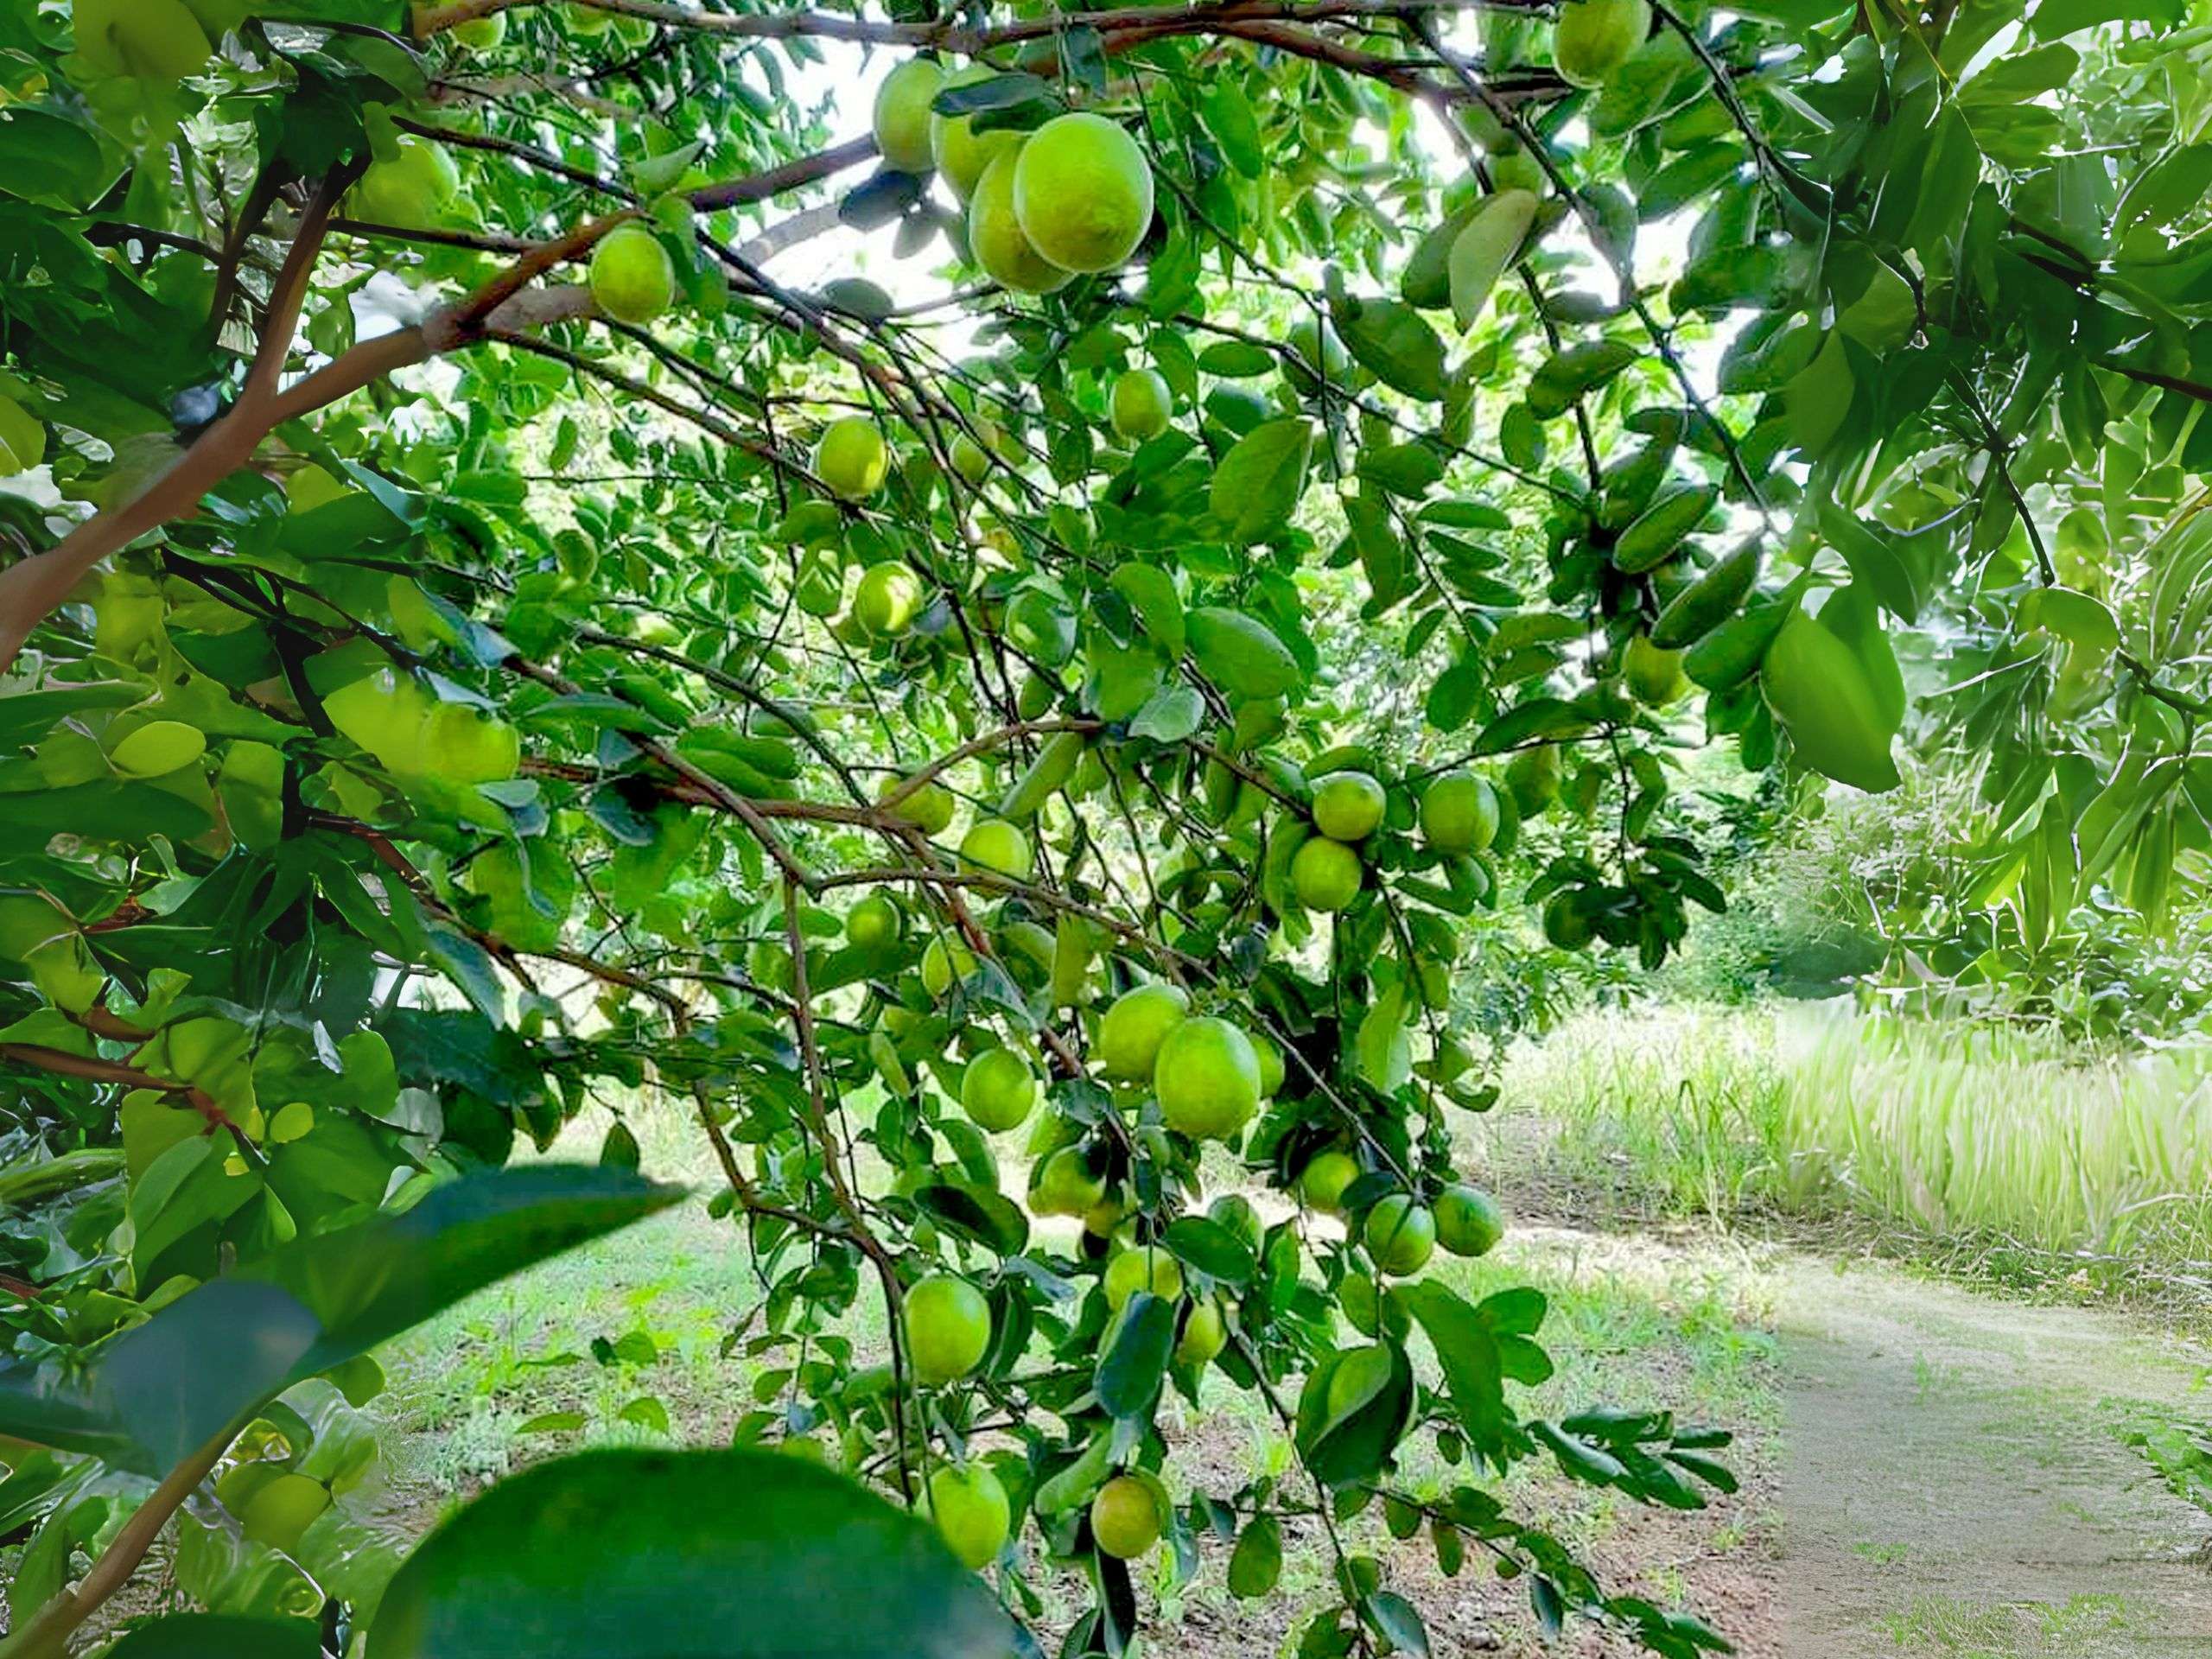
(2016, 1147)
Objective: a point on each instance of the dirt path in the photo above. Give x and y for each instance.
(1952, 1484)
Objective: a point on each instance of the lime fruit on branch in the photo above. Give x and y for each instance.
(1134, 1027)
(1458, 813)
(960, 151)
(1593, 38)
(1146, 1267)
(1125, 1518)
(1400, 1235)
(970, 1508)
(1082, 190)
(1206, 1076)
(851, 458)
(902, 115)
(1326, 874)
(948, 1328)
(633, 278)
(1468, 1222)
(996, 238)
(997, 1089)
(1142, 404)
(1348, 805)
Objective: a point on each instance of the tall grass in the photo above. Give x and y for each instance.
(1962, 1135)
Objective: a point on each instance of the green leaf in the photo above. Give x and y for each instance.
(1211, 1248)
(1228, 115)
(1138, 1347)
(50, 159)
(989, 1217)
(1396, 344)
(1352, 1411)
(1259, 482)
(1537, 720)
(1897, 578)
(1236, 359)
(1173, 713)
(638, 1554)
(1255, 1565)
(1467, 1349)
(201, 1635)
(2084, 619)
(1385, 1045)
(1241, 654)
(1151, 593)
(314, 1304)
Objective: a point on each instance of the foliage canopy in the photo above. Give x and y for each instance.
(479, 643)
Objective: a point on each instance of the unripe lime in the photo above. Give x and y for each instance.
(1135, 1026)
(633, 278)
(1348, 805)
(851, 459)
(1271, 1072)
(481, 34)
(1110, 1212)
(1324, 1178)
(948, 1328)
(1534, 775)
(1066, 1185)
(1125, 1519)
(1036, 695)
(1400, 1235)
(875, 920)
(154, 40)
(1654, 674)
(1468, 1222)
(283, 1510)
(1207, 1078)
(1567, 925)
(1595, 38)
(1083, 189)
(411, 191)
(1324, 875)
(157, 748)
(1205, 1333)
(1458, 812)
(969, 459)
(943, 964)
(1147, 1267)
(586, 19)
(887, 600)
(1316, 354)
(998, 1089)
(960, 152)
(994, 844)
(970, 1509)
(1142, 404)
(996, 239)
(902, 115)
(929, 807)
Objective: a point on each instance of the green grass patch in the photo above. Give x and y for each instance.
(2005, 1145)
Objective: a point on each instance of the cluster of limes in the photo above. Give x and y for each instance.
(1074, 197)
(1458, 817)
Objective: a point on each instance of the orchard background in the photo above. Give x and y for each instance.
(1007, 651)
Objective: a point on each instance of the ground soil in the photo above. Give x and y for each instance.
(1953, 1481)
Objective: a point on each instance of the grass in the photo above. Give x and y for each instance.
(512, 1376)
(1959, 1137)
(1966, 1630)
